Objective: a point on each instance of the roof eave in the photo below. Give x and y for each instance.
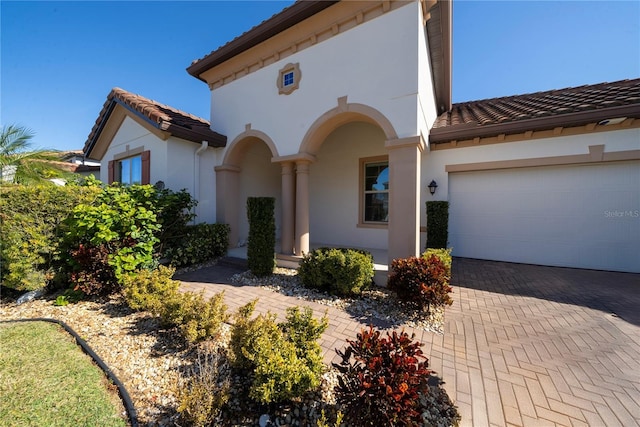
(441, 61)
(289, 17)
(90, 143)
(195, 135)
(471, 131)
(198, 135)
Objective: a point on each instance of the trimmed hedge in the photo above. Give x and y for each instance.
(437, 224)
(93, 236)
(200, 243)
(340, 271)
(30, 231)
(261, 250)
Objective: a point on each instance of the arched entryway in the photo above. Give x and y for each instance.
(348, 188)
(342, 149)
(247, 171)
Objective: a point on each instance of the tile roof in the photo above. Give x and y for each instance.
(75, 167)
(178, 123)
(537, 111)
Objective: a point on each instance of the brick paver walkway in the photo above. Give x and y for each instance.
(523, 345)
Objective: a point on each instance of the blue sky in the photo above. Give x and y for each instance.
(59, 60)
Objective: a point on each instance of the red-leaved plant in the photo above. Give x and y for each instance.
(423, 282)
(93, 275)
(381, 378)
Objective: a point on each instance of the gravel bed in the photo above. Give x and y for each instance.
(375, 302)
(151, 360)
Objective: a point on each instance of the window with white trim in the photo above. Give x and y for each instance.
(375, 191)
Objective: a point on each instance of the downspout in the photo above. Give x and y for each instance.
(196, 173)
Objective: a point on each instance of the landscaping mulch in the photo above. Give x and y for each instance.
(149, 359)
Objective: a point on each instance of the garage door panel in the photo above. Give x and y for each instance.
(583, 216)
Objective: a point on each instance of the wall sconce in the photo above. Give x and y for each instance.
(432, 187)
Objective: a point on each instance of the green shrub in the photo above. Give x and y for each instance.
(262, 235)
(61, 301)
(437, 224)
(30, 231)
(121, 222)
(69, 296)
(422, 282)
(174, 212)
(340, 271)
(323, 422)
(444, 255)
(200, 243)
(304, 331)
(202, 393)
(155, 291)
(148, 290)
(197, 318)
(285, 359)
(381, 379)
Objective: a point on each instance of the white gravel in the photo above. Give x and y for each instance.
(376, 302)
(149, 359)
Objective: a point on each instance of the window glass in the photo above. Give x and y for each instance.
(287, 79)
(376, 207)
(131, 170)
(376, 192)
(125, 171)
(136, 170)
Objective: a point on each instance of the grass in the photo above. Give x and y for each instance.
(46, 380)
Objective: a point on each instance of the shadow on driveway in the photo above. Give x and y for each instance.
(610, 292)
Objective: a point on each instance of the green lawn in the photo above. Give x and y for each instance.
(46, 380)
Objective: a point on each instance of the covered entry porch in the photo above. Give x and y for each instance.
(322, 192)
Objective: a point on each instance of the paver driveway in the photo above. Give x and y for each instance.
(523, 345)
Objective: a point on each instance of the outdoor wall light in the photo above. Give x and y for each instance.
(432, 187)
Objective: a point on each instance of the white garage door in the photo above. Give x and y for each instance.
(584, 216)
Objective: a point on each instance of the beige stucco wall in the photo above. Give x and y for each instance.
(173, 161)
(259, 178)
(131, 137)
(194, 172)
(434, 162)
(334, 187)
(374, 63)
(426, 108)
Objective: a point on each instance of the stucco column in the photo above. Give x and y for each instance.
(288, 208)
(404, 197)
(227, 203)
(302, 207)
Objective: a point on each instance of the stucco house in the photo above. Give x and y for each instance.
(342, 111)
(130, 128)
